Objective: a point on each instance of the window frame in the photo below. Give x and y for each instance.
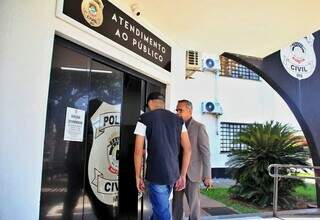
(230, 68)
(227, 137)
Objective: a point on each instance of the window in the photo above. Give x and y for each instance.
(233, 69)
(229, 133)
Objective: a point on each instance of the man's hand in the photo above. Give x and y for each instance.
(180, 183)
(208, 182)
(140, 184)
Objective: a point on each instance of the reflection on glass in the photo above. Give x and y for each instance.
(103, 140)
(62, 176)
(75, 80)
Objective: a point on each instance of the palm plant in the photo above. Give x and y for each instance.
(266, 144)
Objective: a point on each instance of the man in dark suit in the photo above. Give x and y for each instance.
(199, 168)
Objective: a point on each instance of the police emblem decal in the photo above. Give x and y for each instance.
(92, 11)
(299, 58)
(113, 153)
(104, 154)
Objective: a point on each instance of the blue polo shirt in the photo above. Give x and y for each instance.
(162, 130)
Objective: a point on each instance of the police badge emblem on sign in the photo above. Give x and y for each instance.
(92, 11)
(299, 58)
(103, 162)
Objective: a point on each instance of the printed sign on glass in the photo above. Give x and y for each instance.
(74, 124)
(103, 165)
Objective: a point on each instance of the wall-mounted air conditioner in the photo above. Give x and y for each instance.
(193, 60)
(212, 107)
(211, 63)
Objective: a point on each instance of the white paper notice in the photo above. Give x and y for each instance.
(74, 124)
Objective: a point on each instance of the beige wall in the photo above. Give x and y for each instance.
(248, 27)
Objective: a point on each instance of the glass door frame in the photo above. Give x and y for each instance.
(147, 85)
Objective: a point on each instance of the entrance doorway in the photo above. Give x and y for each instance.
(93, 106)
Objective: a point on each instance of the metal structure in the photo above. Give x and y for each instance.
(276, 177)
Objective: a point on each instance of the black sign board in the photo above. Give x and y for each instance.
(109, 21)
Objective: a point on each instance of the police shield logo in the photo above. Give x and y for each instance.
(103, 162)
(92, 11)
(299, 58)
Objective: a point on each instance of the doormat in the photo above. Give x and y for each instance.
(220, 211)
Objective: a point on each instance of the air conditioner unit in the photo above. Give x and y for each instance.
(212, 107)
(193, 59)
(211, 63)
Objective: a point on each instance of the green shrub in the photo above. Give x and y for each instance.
(269, 143)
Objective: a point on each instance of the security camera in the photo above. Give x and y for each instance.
(135, 9)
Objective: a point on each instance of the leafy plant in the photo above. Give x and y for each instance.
(269, 143)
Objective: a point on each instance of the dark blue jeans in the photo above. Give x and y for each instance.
(159, 198)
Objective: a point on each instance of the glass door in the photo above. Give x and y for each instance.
(93, 106)
(82, 141)
(103, 142)
(64, 149)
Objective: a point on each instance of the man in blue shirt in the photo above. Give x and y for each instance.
(166, 135)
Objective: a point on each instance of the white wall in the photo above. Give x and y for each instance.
(248, 101)
(26, 43)
(197, 90)
(25, 55)
(243, 101)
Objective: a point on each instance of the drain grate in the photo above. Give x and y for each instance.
(219, 211)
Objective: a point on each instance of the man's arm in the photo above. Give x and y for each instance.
(204, 147)
(138, 157)
(186, 154)
(186, 147)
